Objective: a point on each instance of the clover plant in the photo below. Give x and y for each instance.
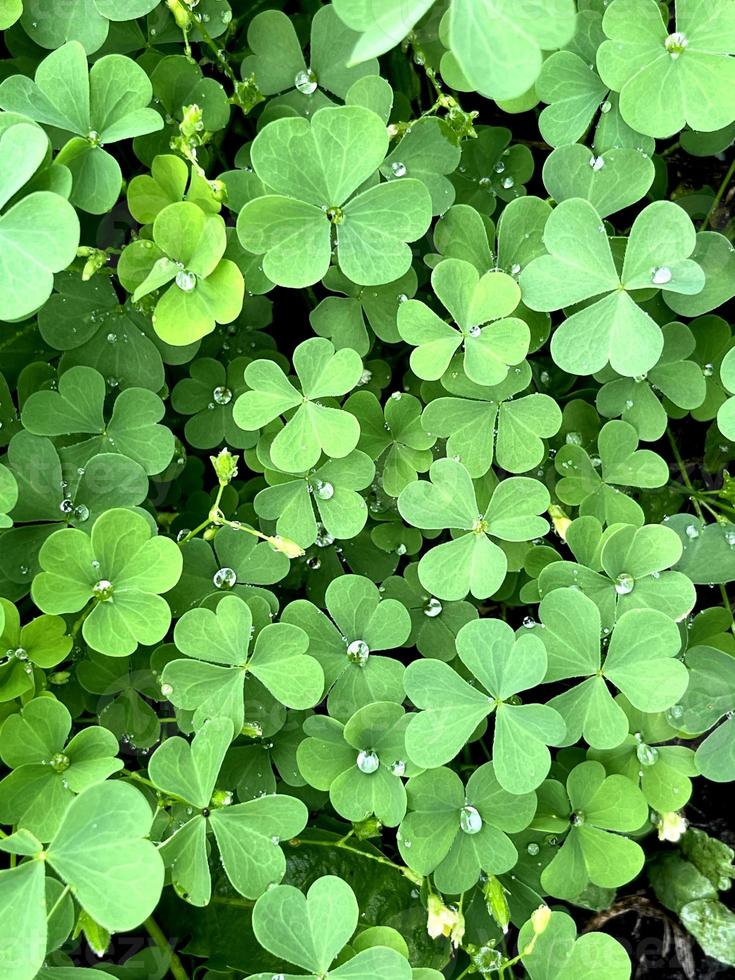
(367, 517)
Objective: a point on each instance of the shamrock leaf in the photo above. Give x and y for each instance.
(381, 23)
(580, 267)
(253, 763)
(365, 624)
(707, 549)
(491, 169)
(10, 11)
(574, 93)
(624, 571)
(639, 661)
(360, 763)
(40, 231)
(245, 832)
(709, 697)
(667, 80)
(42, 642)
(457, 832)
(52, 23)
(472, 302)
(471, 562)
(118, 571)
(211, 683)
(597, 809)
(76, 407)
(208, 395)
(498, 46)
(726, 411)
(661, 771)
(313, 170)
(331, 489)
(322, 922)
(185, 259)
(557, 952)
(48, 771)
(342, 320)
(394, 437)
(65, 97)
(313, 428)
(427, 153)
(675, 376)
(611, 181)
(169, 182)
(451, 709)
(278, 66)
(8, 496)
(490, 423)
(434, 624)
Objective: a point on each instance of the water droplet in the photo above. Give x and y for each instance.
(508, 182)
(398, 169)
(529, 622)
(325, 491)
(624, 583)
(81, 513)
(605, 106)
(224, 578)
(402, 298)
(167, 690)
(692, 532)
(112, 338)
(573, 439)
(474, 331)
(367, 761)
(433, 608)
(365, 377)
(102, 590)
(398, 768)
(708, 370)
(484, 182)
(313, 563)
(358, 652)
(185, 280)
(675, 713)
(306, 81)
(66, 506)
(182, 534)
(323, 537)
(515, 269)
(578, 818)
(661, 275)
(499, 167)
(597, 163)
(533, 849)
(222, 395)
(59, 762)
(647, 754)
(470, 820)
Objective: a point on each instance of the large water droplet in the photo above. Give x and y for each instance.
(676, 44)
(367, 762)
(358, 652)
(533, 849)
(185, 280)
(597, 163)
(398, 768)
(508, 182)
(325, 491)
(323, 537)
(470, 820)
(398, 169)
(474, 331)
(306, 81)
(499, 167)
(647, 754)
(661, 275)
(81, 513)
(66, 506)
(224, 578)
(692, 532)
(102, 590)
(167, 690)
(708, 370)
(222, 395)
(624, 583)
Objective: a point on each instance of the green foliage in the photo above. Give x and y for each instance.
(367, 526)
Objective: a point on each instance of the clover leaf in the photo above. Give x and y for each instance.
(42, 642)
(595, 810)
(40, 227)
(709, 697)
(610, 181)
(65, 97)
(456, 832)
(313, 428)
(627, 572)
(278, 66)
(451, 708)
(331, 489)
(473, 302)
(209, 395)
(580, 267)
(662, 771)
(489, 423)
(667, 79)
(322, 922)
(361, 763)
(247, 834)
(640, 660)
(313, 170)
(185, 259)
(211, 683)
(557, 952)
(726, 412)
(471, 562)
(8, 496)
(169, 182)
(88, 22)
(116, 575)
(364, 624)
(77, 407)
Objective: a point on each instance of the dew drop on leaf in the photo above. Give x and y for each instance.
(433, 608)
(624, 583)
(224, 578)
(661, 275)
(470, 820)
(222, 395)
(185, 280)
(358, 652)
(367, 761)
(306, 81)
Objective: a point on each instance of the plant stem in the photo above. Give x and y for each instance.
(175, 965)
(58, 902)
(380, 858)
(685, 475)
(718, 196)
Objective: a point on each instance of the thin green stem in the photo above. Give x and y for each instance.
(175, 965)
(718, 196)
(380, 858)
(685, 475)
(58, 901)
